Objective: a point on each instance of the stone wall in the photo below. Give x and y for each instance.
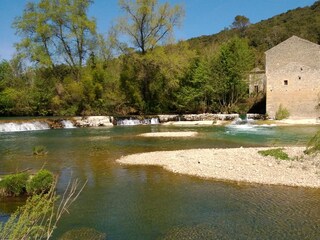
(257, 81)
(293, 78)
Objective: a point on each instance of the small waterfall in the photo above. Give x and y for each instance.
(128, 122)
(133, 122)
(25, 126)
(242, 123)
(154, 121)
(67, 124)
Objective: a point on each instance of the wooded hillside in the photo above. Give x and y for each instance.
(63, 66)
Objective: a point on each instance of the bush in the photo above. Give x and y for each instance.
(282, 113)
(277, 153)
(14, 184)
(313, 145)
(40, 183)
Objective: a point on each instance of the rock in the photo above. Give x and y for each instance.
(94, 121)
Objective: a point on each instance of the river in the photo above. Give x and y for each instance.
(134, 202)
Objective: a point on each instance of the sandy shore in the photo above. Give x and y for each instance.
(236, 164)
(311, 121)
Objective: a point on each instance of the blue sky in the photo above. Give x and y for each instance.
(203, 17)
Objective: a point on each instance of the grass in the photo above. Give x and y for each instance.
(282, 113)
(23, 183)
(39, 150)
(277, 153)
(313, 146)
(14, 184)
(40, 183)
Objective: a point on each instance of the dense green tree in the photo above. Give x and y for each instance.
(148, 23)
(5, 72)
(230, 73)
(196, 92)
(150, 80)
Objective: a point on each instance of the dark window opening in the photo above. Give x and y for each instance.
(301, 69)
(285, 82)
(256, 88)
(299, 78)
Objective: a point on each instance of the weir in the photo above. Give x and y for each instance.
(133, 122)
(24, 126)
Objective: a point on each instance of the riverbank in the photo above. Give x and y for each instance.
(236, 164)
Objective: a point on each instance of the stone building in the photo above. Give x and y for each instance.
(293, 78)
(257, 81)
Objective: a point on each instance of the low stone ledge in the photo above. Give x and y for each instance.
(94, 121)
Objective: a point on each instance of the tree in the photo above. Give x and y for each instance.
(5, 72)
(56, 32)
(148, 23)
(230, 72)
(196, 91)
(150, 80)
(241, 23)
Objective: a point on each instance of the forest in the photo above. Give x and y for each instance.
(64, 67)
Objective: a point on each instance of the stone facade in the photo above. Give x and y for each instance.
(293, 78)
(257, 81)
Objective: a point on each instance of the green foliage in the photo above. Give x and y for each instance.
(40, 183)
(55, 31)
(196, 93)
(14, 184)
(150, 80)
(39, 150)
(38, 218)
(230, 71)
(28, 221)
(74, 71)
(277, 153)
(313, 146)
(282, 113)
(241, 23)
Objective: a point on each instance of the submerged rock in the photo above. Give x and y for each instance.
(83, 233)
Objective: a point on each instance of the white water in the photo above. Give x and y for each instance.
(67, 124)
(21, 127)
(133, 122)
(248, 125)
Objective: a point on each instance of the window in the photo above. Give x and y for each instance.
(285, 82)
(299, 77)
(256, 89)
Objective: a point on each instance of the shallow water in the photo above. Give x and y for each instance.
(134, 202)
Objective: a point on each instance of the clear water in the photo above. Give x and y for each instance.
(134, 202)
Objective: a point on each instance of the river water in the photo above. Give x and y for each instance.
(136, 202)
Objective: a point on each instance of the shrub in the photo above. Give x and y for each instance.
(313, 145)
(277, 153)
(39, 150)
(282, 113)
(40, 183)
(14, 184)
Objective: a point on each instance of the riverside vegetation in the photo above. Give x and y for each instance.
(24, 183)
(51, 74)
(38, 218)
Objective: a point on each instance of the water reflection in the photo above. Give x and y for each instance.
(129, 202)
